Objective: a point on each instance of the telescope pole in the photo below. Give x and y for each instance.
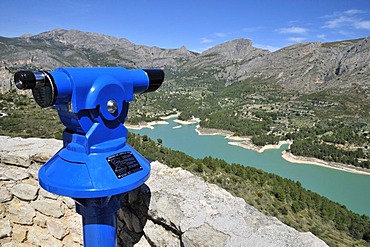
(99, 219)
(99, 231)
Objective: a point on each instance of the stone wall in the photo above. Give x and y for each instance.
(174, 208)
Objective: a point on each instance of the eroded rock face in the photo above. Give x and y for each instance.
(5, 80)
(174, 208)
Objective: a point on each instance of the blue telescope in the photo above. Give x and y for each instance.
(96, 165)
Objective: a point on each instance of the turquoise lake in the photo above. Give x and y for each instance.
(349, 189)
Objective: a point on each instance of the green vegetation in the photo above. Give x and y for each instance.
(340, 43)
(326, 139)
(269, 193)
(334, 124)
(21, 116)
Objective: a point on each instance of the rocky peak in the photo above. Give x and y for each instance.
(184, 50)
(352, 58)
(237, 49)
(79, 39)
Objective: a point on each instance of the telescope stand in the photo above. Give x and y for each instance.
(99, 219)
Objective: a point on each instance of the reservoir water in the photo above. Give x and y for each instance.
(349, 189)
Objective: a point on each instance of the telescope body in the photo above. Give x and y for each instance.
(95, 166)
(92, 103)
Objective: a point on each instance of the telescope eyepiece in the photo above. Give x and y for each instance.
(156, 78)
(24, 79)
(41, 83)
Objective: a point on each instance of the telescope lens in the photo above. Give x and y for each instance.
(44, 96)
(156, 77)
(24, 80)
(45, 92)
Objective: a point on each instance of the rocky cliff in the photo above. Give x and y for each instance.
(174, 208)
(305, 67)
(5, 80)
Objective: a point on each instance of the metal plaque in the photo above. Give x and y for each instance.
(124, 164)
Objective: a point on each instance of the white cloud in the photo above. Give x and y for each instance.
(339, 22)
(295, 30)
(251, 29)
(222, 35)
(345, 33)
(297, 39)
(347, 19)
(353, 12)
(362, 25)
(321, 36)
(205, 40)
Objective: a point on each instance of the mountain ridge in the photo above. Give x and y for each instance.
(305, 67)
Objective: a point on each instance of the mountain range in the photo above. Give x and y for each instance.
(305, 67)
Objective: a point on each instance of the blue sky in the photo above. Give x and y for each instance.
(197, 24)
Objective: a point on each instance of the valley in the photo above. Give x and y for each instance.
(331, 120)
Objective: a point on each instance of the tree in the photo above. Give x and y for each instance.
(160, 141)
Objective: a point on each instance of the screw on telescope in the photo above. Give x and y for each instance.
(112, 106)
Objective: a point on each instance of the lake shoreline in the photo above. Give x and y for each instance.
(240, 141)
(150, 125)
(288, 156)
(246, 142)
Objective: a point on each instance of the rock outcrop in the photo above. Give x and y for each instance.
(6, 79)
(174, 208)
